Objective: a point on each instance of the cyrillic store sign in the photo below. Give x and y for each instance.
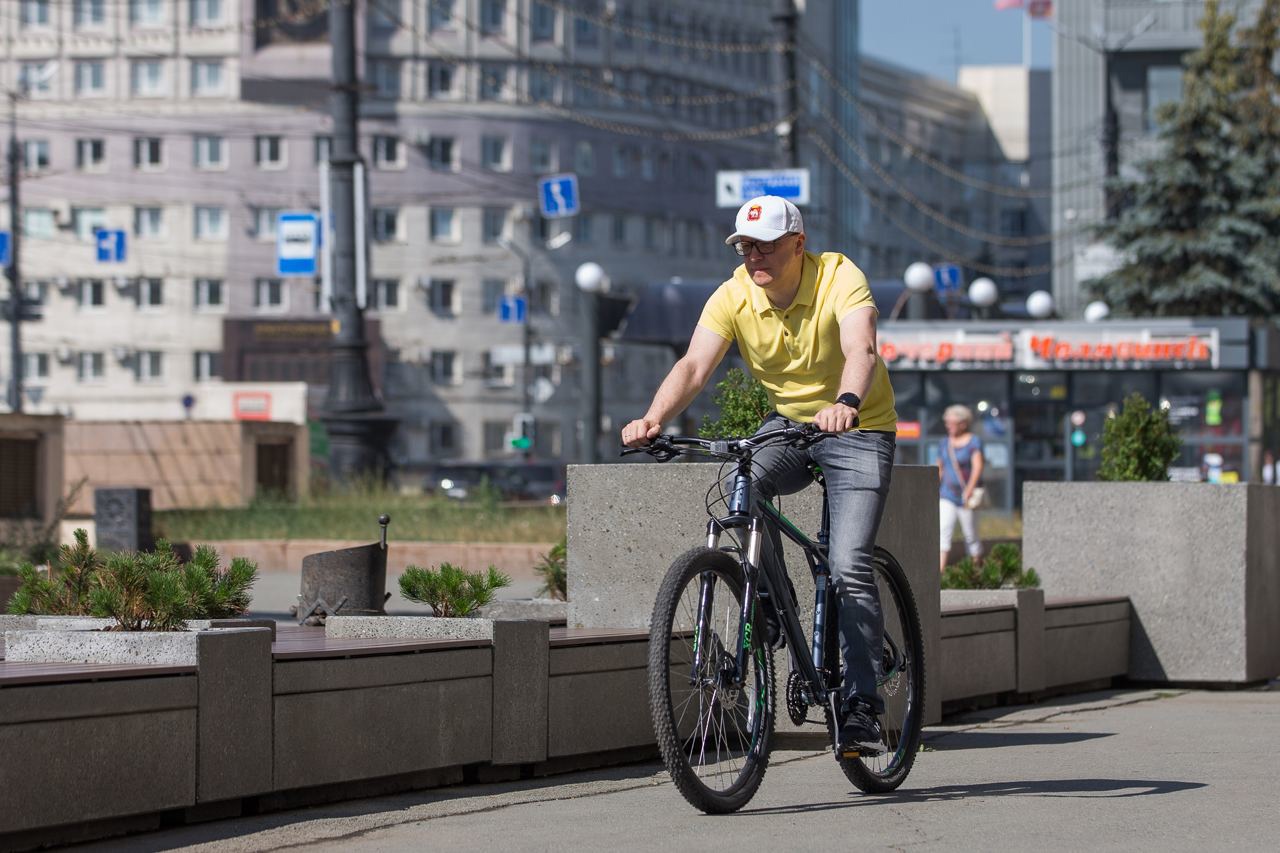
(1054, 348)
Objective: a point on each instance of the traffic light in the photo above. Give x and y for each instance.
(522, 431)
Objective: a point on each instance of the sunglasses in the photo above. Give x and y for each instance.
(746, 247)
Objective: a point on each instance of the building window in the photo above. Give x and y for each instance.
(211, 223)
(35, 365)
(544, 299)
(440, 154)
(89, 14)
(542, 86)
(146, 13)
(444, 438)
(150, 293)
(91, 155)
(208, 295)
(493, 153)
(444, 225)
(493, 225)
(148, 153)
(148, 365)
(542, 155)
(148, 222)
(206, 366)
(582, 232)
(584, 158)
(1013, 222)
(498, 373)
(91, 367)
(269, 152)
(207, 79)
(210, 152)
(385, 75)
(39, 223)
(386, 224)
(386, 294)
(1164, 86)
(493, 17)
(492, 290)
(388, 153)
(269, 295)
(206, 13)
(35, 155)
(493, 81)
(264, 222)
(440, 77)
(619, 230)
(86, 221)
(34, 13)
(440, 14)
(90, 78)
(443, 293)
(585, 31)
(146, 78)
(91, 294)
(542, 27)
(36, 79)
(444, 364)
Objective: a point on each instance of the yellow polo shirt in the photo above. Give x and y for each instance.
(795, 352)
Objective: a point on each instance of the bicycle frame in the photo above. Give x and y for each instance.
(744, 515)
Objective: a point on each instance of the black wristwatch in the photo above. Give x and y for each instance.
(850, 399)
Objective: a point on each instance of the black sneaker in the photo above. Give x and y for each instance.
(860, 733)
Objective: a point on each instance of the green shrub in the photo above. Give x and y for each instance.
(220, 593)
(1000, 569)
(450, 591)
(1138, 443)
(743, 406)
(65, 590)
(553, 570)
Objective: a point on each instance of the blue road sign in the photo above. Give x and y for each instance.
(734, 188)
(512, 309)
(558, 195)
(297, 243)
(110, 245)
(946, 277)
(5, 260)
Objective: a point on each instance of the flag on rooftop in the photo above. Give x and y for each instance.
(1035, 8)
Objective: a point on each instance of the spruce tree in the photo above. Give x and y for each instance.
(1198, 235)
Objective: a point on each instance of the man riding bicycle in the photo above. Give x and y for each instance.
(805, 325)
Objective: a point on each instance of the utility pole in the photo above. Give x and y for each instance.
(526, 370)
(788, 22)
(354, 416)
(15, 274)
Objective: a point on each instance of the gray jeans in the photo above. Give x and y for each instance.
(857, 467)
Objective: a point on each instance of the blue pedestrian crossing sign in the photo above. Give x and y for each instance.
(558, 196)
(297, 243)
(512, 309)
(110, 245)
(5, 249)
(946, 277)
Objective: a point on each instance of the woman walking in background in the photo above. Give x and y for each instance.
(959, 471)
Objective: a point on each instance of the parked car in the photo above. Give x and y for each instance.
(515, 480)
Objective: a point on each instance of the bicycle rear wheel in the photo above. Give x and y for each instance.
(900, 686)
(714, 736)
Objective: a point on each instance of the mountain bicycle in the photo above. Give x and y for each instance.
(721, 610)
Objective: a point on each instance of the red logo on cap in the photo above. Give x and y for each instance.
(754, 213)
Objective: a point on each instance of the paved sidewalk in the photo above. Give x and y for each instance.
(1167, 770)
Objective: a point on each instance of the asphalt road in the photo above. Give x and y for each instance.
(1166, 770)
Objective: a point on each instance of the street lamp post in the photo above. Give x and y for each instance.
(983, 293)
(919, 280)
(590, 279)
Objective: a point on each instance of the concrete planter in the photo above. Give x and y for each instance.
(408, 628)
(17, 623)
(628, 522)
(124, 648)
(539, 609)
(1197, 561)
(97, 623)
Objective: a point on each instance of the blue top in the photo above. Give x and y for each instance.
(952, 487)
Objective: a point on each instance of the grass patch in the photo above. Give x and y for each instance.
(354, 515)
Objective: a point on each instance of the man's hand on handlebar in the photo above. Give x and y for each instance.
(836, 418)
(640, 432)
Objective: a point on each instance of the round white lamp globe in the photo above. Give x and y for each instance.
(983, 292)
(1040, 304)
(589, 277)
(919, 277)
(1095, 311)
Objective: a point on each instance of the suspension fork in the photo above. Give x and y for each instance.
(751, 563)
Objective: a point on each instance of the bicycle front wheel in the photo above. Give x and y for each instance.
(900, 684)
(714, 731)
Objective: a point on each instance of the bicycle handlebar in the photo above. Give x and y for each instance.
(667, 447)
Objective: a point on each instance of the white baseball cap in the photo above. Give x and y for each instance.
(766, 217)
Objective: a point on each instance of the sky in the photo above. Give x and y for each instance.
(922, 35)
